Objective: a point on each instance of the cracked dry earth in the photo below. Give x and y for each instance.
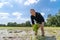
(28, 35)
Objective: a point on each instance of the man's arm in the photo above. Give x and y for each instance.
(32, 20)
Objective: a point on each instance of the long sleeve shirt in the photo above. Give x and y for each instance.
(38, 18)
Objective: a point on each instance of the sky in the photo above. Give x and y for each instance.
(19, 10)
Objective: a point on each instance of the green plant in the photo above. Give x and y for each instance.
(35, 27)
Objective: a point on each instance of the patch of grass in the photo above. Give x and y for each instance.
(17, 28)
(51, 30)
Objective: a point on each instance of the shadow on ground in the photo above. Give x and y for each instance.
(46, 38)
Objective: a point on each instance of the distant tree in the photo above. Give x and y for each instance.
(2, 25)
(23, 25)
(28, 23)
(49, 20)
(49, 15)
(12, 24)
(54, 20)
(58, 18)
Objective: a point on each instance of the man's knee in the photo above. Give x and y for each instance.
(42, 25)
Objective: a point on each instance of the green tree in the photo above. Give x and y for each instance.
(53, 20)
(28, 23)
(12, 24)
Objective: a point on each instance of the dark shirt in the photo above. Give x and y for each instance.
(38, 18)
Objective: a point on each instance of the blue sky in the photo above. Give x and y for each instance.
(19, 10)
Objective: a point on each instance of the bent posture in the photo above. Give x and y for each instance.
(38, 18)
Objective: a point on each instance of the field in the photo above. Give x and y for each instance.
(51, 33)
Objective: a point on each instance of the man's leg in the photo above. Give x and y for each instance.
(42, 28)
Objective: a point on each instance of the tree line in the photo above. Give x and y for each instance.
(14, 24)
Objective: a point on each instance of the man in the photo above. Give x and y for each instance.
(38, 18)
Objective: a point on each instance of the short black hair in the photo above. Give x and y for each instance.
(32, 9)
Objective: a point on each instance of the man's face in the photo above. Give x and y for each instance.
(32, 12)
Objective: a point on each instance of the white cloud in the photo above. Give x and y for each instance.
(19, 1)
(42, 13)
(19, 17)
(10, 16)
(8, 4)
(4, 15)
(1, 5)
(5, 3)
(7, 17)
(17, 14)
(22, 2)
(28, 2)
(25, 19)
(53, 0)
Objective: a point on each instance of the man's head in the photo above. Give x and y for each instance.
(32, 11)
